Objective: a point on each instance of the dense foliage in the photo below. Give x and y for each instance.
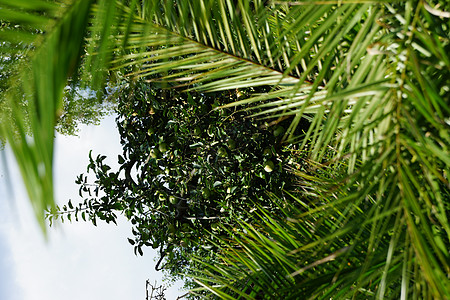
(185, 169)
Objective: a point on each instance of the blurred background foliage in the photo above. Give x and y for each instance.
(370, 79)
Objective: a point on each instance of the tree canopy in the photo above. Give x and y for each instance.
(185, 170)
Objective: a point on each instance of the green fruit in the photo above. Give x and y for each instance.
(231, 144)
(197, 131)
(172, 228)
(155, 153)
(267, 152)
(279, 130)
(184, 243)
(206, 192)
(151, 131)
(215, 226)
(163, 147)
(222, 152)
(162, 197)
(185, 227)
(269, 166)
(173, 200)
(215, 104)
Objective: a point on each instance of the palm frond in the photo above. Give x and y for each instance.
(54, 36)
(374, 102)
(249, 45)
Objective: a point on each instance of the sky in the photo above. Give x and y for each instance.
(78, 260)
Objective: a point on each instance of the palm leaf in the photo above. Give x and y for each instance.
(55, 40)
(363, 101)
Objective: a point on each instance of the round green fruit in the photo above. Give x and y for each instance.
(184, 243)
(278, 131)
(215, 104)
(185, 227)
(155, 153)
(197, 131)
(231, 144)
(172, 228)
(222, 152)
(206, 193)
(267, 152)
(269, 166)
(162, 197)
(215, 226)
(173, 200)
(163, 147)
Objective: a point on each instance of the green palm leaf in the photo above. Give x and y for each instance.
(47, 60)
(364, 102)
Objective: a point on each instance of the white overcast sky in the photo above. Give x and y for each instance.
(79, 260)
